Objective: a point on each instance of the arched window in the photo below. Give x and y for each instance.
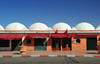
(28, 41)
(78, 40)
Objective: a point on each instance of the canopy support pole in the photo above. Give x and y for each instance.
(61, 44)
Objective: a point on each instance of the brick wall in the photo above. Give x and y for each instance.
(82, 46)
(30, 46)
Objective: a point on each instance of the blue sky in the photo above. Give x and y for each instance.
(49, 12)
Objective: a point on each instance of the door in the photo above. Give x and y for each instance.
(40, 44)
(66, 44)
(56, 44)
(91, 43)
(15, 44)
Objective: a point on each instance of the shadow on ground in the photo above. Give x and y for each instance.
(16, 53)
(92, 53)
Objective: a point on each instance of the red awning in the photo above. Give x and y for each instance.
(63, 35)
(73, 35)
(38, 35)
(59, 35)
(11, 36)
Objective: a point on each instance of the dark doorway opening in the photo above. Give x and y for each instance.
(40, 44)
(56, 43)
(15, 44)
(66, 43)
(91, 43)
(4, 43)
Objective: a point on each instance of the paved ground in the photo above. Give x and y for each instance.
(50, 54)
(50, 60)
(94, 52)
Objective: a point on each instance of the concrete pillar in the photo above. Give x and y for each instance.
(49, 48)
(61, 44)
(72, 41)
(98, 40)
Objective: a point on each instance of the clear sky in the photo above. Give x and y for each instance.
(49, 12)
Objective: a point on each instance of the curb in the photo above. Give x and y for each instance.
(49, 55)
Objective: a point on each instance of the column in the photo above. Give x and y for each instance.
(61, 44)
(98, 40)
(48, 44)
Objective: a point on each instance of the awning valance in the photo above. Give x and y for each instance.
(50, 35)
(63, 35)
(11, 36)
(38, 35)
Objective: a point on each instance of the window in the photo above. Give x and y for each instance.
(4, 43)
(29, 41)
(78, 40)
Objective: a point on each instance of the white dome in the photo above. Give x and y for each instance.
(98, 28)
(84, 26)
(73, 28)
(61, 26)
(15, 26)
(38, 26)
(1, 28)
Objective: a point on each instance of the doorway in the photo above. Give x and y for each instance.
(91, 43)
(66, 43)
(56, 43)
(15, 44)
(40, 44)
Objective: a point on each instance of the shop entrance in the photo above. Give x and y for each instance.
(4, 43)
(40, 44)
(91, 43)
(66, 43)
(15, 44)
(56, 44)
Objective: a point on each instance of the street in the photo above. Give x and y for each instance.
(50, 60)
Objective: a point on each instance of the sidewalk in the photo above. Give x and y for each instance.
(93, 53)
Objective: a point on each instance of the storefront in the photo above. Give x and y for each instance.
(49, 41)
(10, 42)
(41, 38)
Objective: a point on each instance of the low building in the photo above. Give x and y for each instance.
(39, 37)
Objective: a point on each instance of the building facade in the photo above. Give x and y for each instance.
(60, 37)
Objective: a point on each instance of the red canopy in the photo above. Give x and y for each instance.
(38, 35)
(59, 35)
(62, 35)
(11, 36)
